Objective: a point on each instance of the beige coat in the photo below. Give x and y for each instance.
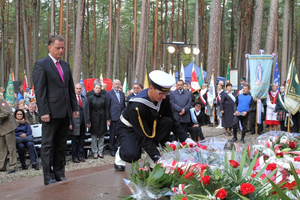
(7, 121)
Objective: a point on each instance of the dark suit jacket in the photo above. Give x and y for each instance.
(84, 117)
(179, 102)
(53, 96)
(114, 106)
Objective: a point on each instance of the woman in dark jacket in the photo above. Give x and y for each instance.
(98, 117)
(24, 139)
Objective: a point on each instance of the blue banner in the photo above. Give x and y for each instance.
(83, 92)
(277, 75)
(260, 74)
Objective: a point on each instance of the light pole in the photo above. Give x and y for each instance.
(186, 48)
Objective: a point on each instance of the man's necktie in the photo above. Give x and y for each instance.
(60, 72)
(79, 101)
(118, 95)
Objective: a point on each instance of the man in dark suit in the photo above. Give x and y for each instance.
(79, 125)
(56, 100)
(115, 101)
(136, 89)
(181, 103)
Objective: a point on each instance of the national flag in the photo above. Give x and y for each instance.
(211, 92)
(25, 83)
(83, 91)
(32, 90)
(228, 74)
(174, 87)
(292, 92)
(194, 81)
(146, 81)
(182, 75)
(125, 86)
(201, 77)
(10, 91)
(277, 75)
(101, 77)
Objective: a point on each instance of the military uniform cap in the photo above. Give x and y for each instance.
(161, 80)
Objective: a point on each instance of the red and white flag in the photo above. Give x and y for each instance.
(174, 87)
(194, 81)
(25, 83)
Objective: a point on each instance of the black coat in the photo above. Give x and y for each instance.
(98, 113)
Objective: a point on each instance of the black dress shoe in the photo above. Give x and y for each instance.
(243, 141)
(233, 139)
(112, 153)
(11, 171)
(210, 125)
(35, 166)
(119, 167)
(252, 132)
(75, 160)
(61, 178)
(81, 159)
(50, 182)
(24, 166)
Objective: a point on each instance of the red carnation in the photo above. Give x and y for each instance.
(205, 180)
(189, 176)
(279, 155)
(180, 171)
(234, 164)
(290, 186)
(297, 159)
(173, 146)
(271, 166)
(247, 188)
(184, 198)
(292, 145)
(184, 143)
(222, 194)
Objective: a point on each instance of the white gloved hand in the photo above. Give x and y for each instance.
(190, 141)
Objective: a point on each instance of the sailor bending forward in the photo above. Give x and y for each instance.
(147, 121)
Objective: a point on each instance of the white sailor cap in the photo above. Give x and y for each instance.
(161, 80)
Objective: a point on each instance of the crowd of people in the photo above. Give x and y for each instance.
(135, 120)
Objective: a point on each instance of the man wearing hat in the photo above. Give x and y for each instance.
(147, 121)
(242, 83)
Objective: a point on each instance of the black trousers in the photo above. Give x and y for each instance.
(282, 127)
(185, 128)
(235, 125)
(252, 121)
(296, 120)
(54, 138)
(113, 141)
(131, 148)
(78, 143)
(195, 132)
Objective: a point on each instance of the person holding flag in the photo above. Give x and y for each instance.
(280, 108)
(208, 98)
(271, 115)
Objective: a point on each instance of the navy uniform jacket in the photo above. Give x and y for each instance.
(148, 115)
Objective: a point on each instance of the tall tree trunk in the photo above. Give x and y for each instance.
(213, 45)
(231, 46)
(74, 28)
(77, 60)
(155, 36)
(26, 44)
(67, 49)
(257, 27)
(17, 40)
(178, 19)
(298, 49)
(2, 8)
(88, 52)
(116, 49)
(196, 31)
(164, 52)
(52, 18)
(183, 22)
(109, 40)
(171, 33)
(134, 41)
(95, 41)
(201, 30)
(141, 60)
(61, 17)
(36, 18)
(162, 38)
(285, 41)
(271, 27)
(291, 32)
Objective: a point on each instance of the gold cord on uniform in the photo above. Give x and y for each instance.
(142, 126)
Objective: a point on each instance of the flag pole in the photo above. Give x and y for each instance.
(256, 133)
(289, 122)
(213, 107)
